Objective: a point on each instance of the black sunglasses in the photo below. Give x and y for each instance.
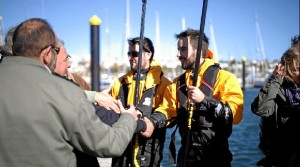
(133, 53)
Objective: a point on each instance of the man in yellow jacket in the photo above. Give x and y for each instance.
(143, 151)
(218, 102)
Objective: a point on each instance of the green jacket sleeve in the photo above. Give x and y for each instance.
(90, 135)
(264, 104)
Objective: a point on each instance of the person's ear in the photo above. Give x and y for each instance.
(46, 55)
(148, 55)
(195, 51)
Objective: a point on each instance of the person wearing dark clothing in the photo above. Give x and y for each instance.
(144, 150)
(218, 105)
(278, 104)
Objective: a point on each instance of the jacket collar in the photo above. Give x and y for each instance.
(25, 60)
(202, 69)
(153, 76)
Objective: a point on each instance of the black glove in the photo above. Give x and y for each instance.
(220, 110)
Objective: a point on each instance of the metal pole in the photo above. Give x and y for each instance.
(195, 78)
(244, 73)
(95, 54)
(137, 85)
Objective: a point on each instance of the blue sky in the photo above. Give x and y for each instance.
(233, 23)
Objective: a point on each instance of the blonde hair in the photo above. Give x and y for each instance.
(291, 61)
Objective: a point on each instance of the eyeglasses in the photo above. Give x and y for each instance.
(133, 53)
(56, 49)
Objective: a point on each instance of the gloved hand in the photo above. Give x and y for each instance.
(223, 111)
(219, 111)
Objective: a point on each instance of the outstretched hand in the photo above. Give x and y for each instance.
(131, 110)
(150, 128)
(104, 99)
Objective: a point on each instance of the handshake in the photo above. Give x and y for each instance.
(143, 122)
(114, 107)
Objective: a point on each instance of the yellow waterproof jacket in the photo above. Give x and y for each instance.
(154, 78)
(226, 89)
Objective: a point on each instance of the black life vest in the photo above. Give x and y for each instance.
(204, 117)
(148, 154)
(146, 103)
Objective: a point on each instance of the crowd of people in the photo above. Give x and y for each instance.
(51, 117)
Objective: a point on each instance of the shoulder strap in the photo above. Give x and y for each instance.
(172, 147)
(208, 82)
(146, 102)
(181, 89)
(209, 79)
(123, 93)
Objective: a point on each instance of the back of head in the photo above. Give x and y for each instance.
(193, 35)
(31, 37)
(8, 40)
(295, 41)
(147, 44)
(3, 53)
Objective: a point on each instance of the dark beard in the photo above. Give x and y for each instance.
(187, 65)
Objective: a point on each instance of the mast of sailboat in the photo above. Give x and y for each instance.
(1, 42)
(125, 36)
(127, 33)
(108, 48)
(157, 34)
(183, 24)
(213, 39)
(261, 44)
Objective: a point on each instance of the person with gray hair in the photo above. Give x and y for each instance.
(5, 50)
(8, 39)
(44, 118)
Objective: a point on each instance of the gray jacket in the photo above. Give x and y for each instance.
(43, 118)
(265, 104)
(280, 123)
